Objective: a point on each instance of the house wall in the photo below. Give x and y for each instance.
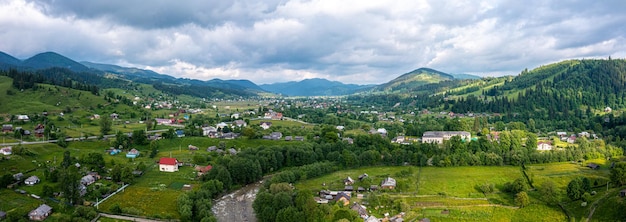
(168, 168)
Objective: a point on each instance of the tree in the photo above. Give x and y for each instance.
(618, 174)
(549, 192)
(105, 124)
(575, 189)
(61, 139)
(69, 179)
(522, 199)
(139, 137)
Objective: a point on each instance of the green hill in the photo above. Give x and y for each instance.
(418, 77)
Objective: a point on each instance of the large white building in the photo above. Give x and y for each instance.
(440, 136)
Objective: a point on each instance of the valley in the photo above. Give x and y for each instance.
(546, 144)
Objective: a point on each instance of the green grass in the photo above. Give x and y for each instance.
(451, 188)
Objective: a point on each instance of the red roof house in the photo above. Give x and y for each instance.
(168, 164)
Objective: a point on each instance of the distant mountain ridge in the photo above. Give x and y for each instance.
(313, 87)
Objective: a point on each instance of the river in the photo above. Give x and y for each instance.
(237, 206)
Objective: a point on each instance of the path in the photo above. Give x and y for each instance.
(595, 204)
(127, 218)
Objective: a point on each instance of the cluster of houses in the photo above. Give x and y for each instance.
(38, 130)
(345, 197)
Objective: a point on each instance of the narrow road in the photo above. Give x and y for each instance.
(69, 139)
(127, 218)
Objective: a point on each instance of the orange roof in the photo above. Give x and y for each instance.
(168, 161)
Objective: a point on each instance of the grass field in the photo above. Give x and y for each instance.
(432, 190)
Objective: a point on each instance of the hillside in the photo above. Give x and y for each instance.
(51, 59)
(313, 87)
(56, 69)
(415, 78)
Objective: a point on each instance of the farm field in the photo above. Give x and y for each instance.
(452, 194)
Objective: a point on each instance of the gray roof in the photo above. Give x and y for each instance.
(41, 210)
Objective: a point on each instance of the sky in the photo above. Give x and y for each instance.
(351, 41)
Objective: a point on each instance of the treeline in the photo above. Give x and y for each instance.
(29, 80)
(200, 91)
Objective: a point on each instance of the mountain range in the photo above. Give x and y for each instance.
(307, 87)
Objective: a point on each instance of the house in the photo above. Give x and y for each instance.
(40, 213)
(206, 131)
(348, 188)
(211, 149)
(180, 133)
(32, 180)
(266, 125)
(7, 128)
(133, 153)
(6, 150)
(343, 197)
(348, 181)
(608, 109)
(168, 164)
(544, 146)
(160, 121)
(18, 176)
(192, 147)
(203, 170)
(232, 151)
(360, 209)
(87, 180)
(561, 134)
(276, 135)
(348, 140)
(340, 128)
(373, 187)
(240, 123)
(288, 138)
(440, 136)
(363, 176)
(3, 215)
(360, 189)
(22, 117)
(114, 116)
(388, 183)
(299, 138)
(221, 125)
(40, 130)
(114, 151)
(622, 193)
(584, 134)
(398, 139)
(593, 166)
(95, 116)
(571, 139)
(319, 200)
(235, 115)
(229, 136)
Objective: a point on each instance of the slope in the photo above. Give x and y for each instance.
(52, 59)
(418, 77)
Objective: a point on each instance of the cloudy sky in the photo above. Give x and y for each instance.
(352, 41)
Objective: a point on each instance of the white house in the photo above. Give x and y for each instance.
(208, 130)
(32, 180)
(266, 125)
(544, 146)
(22, 117)
(168, 164)
(6, 150)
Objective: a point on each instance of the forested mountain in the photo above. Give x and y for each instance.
(50, 59)
(415, 78)
(52, 68)
(8, 61)
(313, 87)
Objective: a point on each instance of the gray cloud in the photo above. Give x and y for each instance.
(349, 41)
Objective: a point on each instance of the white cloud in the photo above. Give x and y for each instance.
(349, 41)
